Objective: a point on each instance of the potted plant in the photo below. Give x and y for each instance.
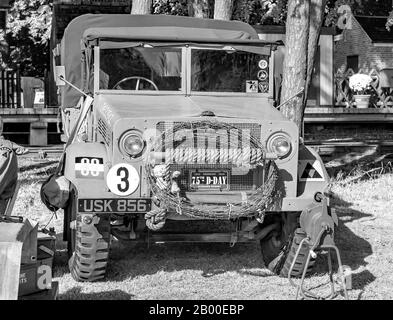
(360, 84)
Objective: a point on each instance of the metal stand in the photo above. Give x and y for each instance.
(307, 294)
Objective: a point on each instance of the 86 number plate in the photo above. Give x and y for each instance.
(114, 205)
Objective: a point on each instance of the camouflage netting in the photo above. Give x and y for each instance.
(167, 194)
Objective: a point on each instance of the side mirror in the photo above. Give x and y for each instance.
(60, 76)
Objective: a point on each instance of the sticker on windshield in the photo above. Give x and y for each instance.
(263, 87)
(262, 75)
(252, 86)
(262, 64)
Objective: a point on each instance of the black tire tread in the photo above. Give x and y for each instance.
(90, 258)
(281, 264)
(298, 268)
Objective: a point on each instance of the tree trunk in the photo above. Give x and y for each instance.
(303, 27)
(223, 9)
(317, 8)
(141, 7)
(200, 8)
(295, 59)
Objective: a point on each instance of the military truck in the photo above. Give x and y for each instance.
(174, 136)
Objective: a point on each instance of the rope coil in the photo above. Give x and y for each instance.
(155, 219)
(160, 179)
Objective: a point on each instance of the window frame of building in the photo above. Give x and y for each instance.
(350, 60)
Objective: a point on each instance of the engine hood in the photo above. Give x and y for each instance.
(120, 106)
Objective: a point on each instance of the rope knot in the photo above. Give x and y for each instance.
(155, 219)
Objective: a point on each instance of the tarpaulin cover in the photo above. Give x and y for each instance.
(169, 34)
(186, 29)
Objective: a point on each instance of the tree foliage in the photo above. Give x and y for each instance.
(25, 42)
(171, 7)
(201, 8)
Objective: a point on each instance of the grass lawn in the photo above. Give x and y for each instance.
(216, 271)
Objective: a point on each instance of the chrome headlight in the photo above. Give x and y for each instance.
(132, 143)
(280, 144)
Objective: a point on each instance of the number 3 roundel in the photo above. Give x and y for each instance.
(122, 179)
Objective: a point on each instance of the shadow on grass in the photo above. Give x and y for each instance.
(351, 162)
(353, 249)
(131, 260)
(30, 173)
(36, 181)
(37, 165)
(76, 293)
(211, 259)
(61, 257)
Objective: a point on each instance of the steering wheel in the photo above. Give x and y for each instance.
(137, 82)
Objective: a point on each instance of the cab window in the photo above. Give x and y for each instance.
(141, 69)
(229, 71)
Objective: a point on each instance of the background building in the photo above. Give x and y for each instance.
(367, 46)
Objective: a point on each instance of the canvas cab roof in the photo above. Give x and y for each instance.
(110, 29)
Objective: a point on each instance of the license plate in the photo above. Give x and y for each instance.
(209, 179)
(114, 205)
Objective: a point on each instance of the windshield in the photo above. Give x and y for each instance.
(159, 68)
(141, 69)
(229, 71)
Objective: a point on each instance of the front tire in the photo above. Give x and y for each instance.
(88, 246)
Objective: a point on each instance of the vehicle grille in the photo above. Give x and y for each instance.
(103, 130)
(254, 129)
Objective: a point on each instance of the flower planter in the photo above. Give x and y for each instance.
(362, 100)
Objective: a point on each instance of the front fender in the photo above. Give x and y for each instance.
(85, 183)
(86, 166)
(312, 178)
(312, 174)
